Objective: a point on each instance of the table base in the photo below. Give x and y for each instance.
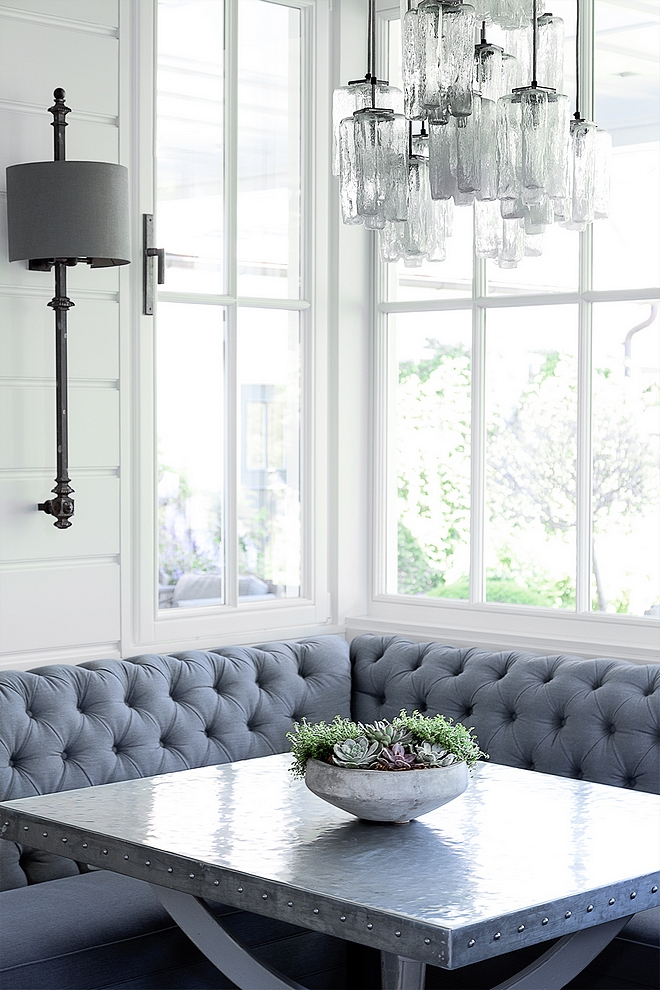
(551, 971)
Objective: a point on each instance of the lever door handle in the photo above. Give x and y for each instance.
(150, 251)
(160, 254)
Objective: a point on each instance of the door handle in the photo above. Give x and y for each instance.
(150, 251)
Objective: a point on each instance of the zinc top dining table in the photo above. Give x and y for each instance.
(520, 858)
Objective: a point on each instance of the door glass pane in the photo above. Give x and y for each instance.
(626, 467)
(269, 517)
(432, 456)
(627, 83)
(190, 157)
(268, 150)
(190, 455)
(531, 426)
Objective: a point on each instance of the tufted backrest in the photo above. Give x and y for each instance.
(596, 719)
(63, 727)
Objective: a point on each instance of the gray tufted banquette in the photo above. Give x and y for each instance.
(592, 719)
(63, 727)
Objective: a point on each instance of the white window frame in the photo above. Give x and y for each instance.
(477, 622)
(143, 625)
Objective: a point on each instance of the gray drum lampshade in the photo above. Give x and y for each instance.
(67, 209)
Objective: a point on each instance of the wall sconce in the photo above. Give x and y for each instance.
(60, 213)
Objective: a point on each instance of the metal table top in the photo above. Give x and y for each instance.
(519, 858)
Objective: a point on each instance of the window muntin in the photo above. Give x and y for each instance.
(577, 266)
(229, 409)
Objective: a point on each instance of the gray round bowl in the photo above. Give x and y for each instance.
(386, 796)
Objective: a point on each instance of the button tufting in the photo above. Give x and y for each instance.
(611, 730)
(513, 716)
(29, 713)
(65, 755)
(10, 762)
(114, 749)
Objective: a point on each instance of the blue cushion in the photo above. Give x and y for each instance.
(106, 930)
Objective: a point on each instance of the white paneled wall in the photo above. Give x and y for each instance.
(59, 590)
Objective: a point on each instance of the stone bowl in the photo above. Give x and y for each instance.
(386, 795)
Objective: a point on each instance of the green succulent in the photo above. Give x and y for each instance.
(433, 755)
(356, 754)
(387, 734)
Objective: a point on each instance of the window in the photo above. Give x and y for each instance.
(519, 410)
(232, 510)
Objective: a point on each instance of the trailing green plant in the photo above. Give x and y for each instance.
(408, 742)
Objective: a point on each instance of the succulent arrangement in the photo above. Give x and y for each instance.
(408, 742)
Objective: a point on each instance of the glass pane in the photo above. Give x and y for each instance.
(531, 424)
(626, 458)
(627, 83)
(268, 150)
(190, 455)
(190, 157)
(432, 460)
(269, 519)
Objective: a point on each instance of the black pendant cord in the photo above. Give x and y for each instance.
(371, 51)
(577, 60)
(535, 28)
(61, 506)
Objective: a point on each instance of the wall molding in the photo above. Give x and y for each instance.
(7, 382)
(59, 563)
(67, 655)
(46, 292)
(28, 474)
(54, 20)
(82, 116)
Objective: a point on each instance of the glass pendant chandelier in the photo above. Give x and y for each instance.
(371, 147)
(477, 124)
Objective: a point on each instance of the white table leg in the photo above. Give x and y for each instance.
(400, 973)
(211, 937)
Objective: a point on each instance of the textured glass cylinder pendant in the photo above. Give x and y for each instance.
(519, 43)
(511, 75)
(348, 172)
(534, 126)
(391, 240)
(488, 77)
(487, 110)
(429, 14)
(583, 160)
(513, 244)
(511, 13)
(539, 215)
(415, 229)
(356, 96)
(412, 66)
(550, 52)
(557, 156)
(380, 156)
(487, 229)
(467, 150)
(512, 209)
(458, 25)
(368, 126)
(509, 148)
(439, 227)
(442, 160)
(602, 174)
(533, 245)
